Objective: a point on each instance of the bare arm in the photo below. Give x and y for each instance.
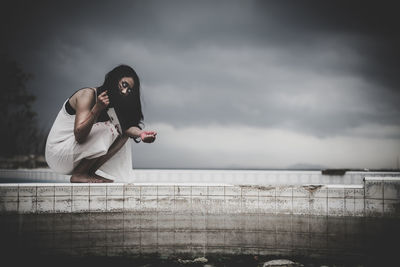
(87, 111)
(146, 136)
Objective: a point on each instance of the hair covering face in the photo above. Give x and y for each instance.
(127, 107)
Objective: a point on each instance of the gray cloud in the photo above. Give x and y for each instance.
(319, 69)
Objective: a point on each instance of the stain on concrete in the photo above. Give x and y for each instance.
(312, 188)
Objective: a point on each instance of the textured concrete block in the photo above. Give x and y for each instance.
(284, 205)
(98, 190)
(391, 190)
(63, 190)
(301, 240)
(131, 190)
(131, 221)
(199, 204)
(249, 204)
(132, 204)
(131, 238)
(359, 193)
(284, 191)
(149, 221)
(349, 207)
(267, 191)
(216, 204)
(8, 190)
(27, 190)
(267, 239)
(8, 204)
(184, 204)
(27, 204)
(336, 193)
(284, 240)
(148, 203)
(318, 206)
(62, 221)
(165, 203)
(317, 191)
(349, 193)
(98, 203)
(182, 221)
(45, 204)
(98, 239)
(233, 191)
(79, 239)
(335, 206)
(283, 223)
(199, 191)
(391, 208)
(80, 222)
(216, 191)
(183, 190)
(115, 221)
(166, 238)
(215, 238)
(115, 238)
(199, 222)
(62, 204)
(359, 209)
(318, 242)
(373, 189)
(319, 225)
(374, 207)
(117, 251)
(301, 205)
(182, 238)
(148, 190)
(115, 203)
(249, 191)
(300, 192)
(241, 239)
(233, 204)
(236, 223)
(45, 191)
(301, 224)
(215, 222)
(251, 222)
(198, 238)
(148, 238)
(79, 190)
(267, 205)
(80, 203)
(115, 190)
(166, 190)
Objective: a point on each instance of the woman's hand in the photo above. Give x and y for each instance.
(148, 136)
(102, 101)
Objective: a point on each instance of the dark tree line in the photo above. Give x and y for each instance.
(19, 131)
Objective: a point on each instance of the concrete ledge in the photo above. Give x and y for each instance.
(375, 198)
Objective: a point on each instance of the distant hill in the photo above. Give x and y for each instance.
(306, 166)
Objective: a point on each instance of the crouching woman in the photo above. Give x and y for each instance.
(93, 129)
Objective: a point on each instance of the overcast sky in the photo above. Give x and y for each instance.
(228, 84)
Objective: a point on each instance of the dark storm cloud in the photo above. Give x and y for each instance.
(316, 67)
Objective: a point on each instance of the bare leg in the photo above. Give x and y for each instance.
(84, 172)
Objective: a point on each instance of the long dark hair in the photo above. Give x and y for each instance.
(128, 107)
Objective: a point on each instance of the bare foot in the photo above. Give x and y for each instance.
(84, 178)
(105, 180)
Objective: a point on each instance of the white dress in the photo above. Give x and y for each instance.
(63, 153)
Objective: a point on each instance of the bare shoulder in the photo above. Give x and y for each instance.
(84, 98)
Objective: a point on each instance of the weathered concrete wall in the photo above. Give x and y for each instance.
(195, 235)
(234, 177)
(379, 197)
